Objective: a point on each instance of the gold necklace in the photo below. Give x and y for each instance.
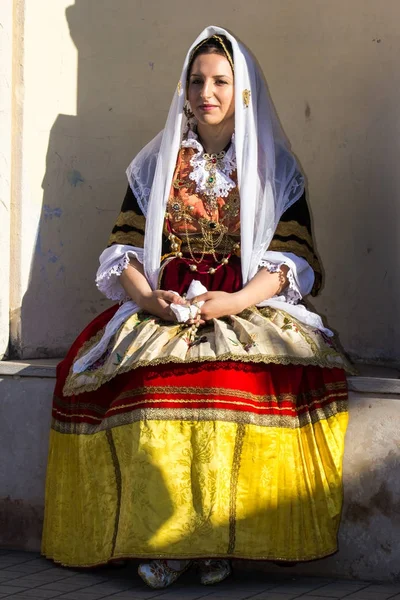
(209, 243)
(209, 227)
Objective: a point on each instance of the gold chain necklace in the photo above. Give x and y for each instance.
(209, 227)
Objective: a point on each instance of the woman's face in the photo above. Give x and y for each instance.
(211, 89)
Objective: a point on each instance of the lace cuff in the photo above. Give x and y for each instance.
(113, 261)
(300, 275)
(291, 294)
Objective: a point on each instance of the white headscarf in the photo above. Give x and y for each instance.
(269, 179)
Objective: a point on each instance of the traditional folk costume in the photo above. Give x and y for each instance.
(222, 441)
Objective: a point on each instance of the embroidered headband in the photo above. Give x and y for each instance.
(221, 43)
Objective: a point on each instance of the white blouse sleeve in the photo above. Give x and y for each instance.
(113, 261)
(300, 275)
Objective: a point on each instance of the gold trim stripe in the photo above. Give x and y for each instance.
(229, 393)
(131, 219)
(331, 386)
(70, 388)
(59, 403)
(129, 238)
(288, 228)
(220, 401)
(183, 401)
(207, 414)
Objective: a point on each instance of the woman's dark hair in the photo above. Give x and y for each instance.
(216, 44)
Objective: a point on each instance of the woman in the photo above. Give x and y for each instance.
(203, 424)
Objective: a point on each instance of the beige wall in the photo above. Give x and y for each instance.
(98, 76)
(6, 29)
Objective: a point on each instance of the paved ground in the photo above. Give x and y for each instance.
(25, 576)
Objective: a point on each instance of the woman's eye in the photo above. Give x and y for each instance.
(196, 81)
(221, 82)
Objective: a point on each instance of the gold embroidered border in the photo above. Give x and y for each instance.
(131, 219)
(118, 482)
(207, 414)
(316, 361)
(212, 401)
(130, 238)
(183, 401)
(237, 455)
(307, 396)
(204, 391)
(59, 402)
(287, 228)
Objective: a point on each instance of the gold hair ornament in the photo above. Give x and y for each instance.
(224, 48)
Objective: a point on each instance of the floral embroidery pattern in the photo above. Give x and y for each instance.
(252, 336)
(288, 324)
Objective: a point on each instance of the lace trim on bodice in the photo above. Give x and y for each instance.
(223, 182)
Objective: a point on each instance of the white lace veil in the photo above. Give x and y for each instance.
(269, 178)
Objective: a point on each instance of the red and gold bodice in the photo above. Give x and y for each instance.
(200, 222)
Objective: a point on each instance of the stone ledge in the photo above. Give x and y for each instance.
(375, 380)
(374, 385)
(371, 379)
(38, 367)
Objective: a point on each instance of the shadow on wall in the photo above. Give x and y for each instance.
(346, 128)
(127, 73)
(119, 109)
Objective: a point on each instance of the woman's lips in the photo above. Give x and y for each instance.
(207, 107)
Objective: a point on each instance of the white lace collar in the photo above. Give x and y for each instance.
(223, 182)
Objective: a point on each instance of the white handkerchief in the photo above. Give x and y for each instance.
(195, 289)
(184, 313)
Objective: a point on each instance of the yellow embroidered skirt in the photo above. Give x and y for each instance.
(217, 457)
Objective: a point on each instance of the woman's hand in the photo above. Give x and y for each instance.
(264, 285)
(155, 302)
(219, 304)
(158, 302)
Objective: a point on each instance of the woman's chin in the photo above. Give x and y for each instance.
(210, 120)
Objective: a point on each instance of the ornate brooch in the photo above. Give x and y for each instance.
(246, 98)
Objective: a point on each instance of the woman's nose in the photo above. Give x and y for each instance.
(206, 90)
